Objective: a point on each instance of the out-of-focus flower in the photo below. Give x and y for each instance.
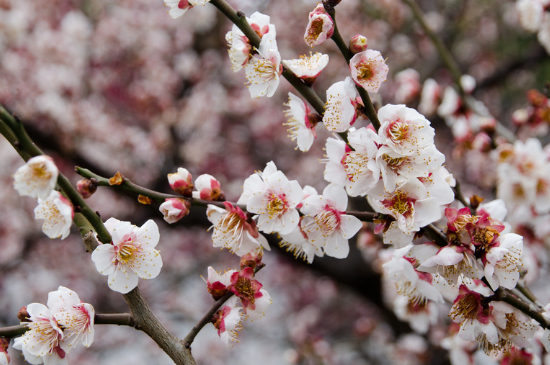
(319, 28)
(301, 122)
(181, 182)
(57, 213)
(368, 70)
(180, 7)
(408, 85)
(420, 315)
(37, 178)
(531, 14)
(340, 108)
(430, 97)
(264, 69)
(329, 227)
(208, 188)
(4, 356)
(357, 44)
(308, 68)
(174, 209)
(218, 284)
(234, 230)
(228, 321)
(130, 256)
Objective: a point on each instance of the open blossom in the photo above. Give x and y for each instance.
(408, 85)
(130, 256)
(73, 316)
(275, 201)
(340, 108)
(228, 321)
(429, 99)
(503, 261)
(330, 227)
(308, 68)
(301, 123)
(179, 7)
(531, 13)
(319, 28)
(368, 69)
(57, 213)
(181, 182)
(239, 44)
(218, 284)
(208, 188)
(37, 178)
(298, 243)
(419, 315)
(234, 230)
(255, 180)
(264, 69)
(174, 209)
(254, 299)
(356, 167)
(43, 342)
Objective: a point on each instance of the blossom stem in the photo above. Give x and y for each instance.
(342, 46)
(458, 195)
(528, 309)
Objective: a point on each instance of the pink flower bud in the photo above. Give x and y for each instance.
(358, 44)
(86, 187)
(252, 259)
(174, 209)
(319, 28)
(208, 188)
(23, 315)
(181, 182)
(520, 117)
(482, 142)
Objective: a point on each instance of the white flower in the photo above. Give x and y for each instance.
(308, 68)
(301, 127)
(340, 111)
(264, 69)
(234, 230)
(368, 69)
(275, 201)
(57, 213)
(404, 130)
(37, 178)
(503, 261)
(4, 359)
(208, 188)
(179, 7)
(298, 243)
(261, 302)
(73, 316)
(319, 28)
(43, 341)
(255, 180)
(420, 315)
(429, 99)
(174, 209)
(408, 85)
(130, 256)
(330, 227)
(531, 14)
(228, 321)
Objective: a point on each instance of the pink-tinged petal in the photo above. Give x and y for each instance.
(337, 196)
(214, 213)
(148, 234)
(337, 246)
(335, 149)
(349, 226)
(123, 282)
(103, 258)
(62, 296)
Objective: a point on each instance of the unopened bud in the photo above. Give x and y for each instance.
(252, 259)
(23, 315)
(520, 116)
(488, 124)
(86, 187)
(358, 44)
(181, 182)
(117, 179)
(208, 188)
(174, 209)
(482, 142)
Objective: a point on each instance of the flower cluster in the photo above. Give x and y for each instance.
(55, 329)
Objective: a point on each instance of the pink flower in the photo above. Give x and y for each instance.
(228, 321)
(37, 178)
(180, 7)
(174, 209)
(208, 188)
(301, 122)
(181, 182)
(357, 44)
(57, 213)
(320, 27)
(130, 256)
(253, 298)
(408, 85)
(219, 284)
(368, 70)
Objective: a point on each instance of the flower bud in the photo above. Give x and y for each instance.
(358, 44)
(181, 182)
(252, 259)
(23, 315)
(208, 188)
(174, 209)
(86, 187)
(319, 28)
(520, 116)
(482, 142)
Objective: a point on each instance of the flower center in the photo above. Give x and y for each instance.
(315, 30)
(328, 221)
(277, 205)
(40, 171)
(398, 131)
(245, 289)
(365, 70)
(355, 165)
(469, 307)
(400, 203)
(393, 162)
(126, 253)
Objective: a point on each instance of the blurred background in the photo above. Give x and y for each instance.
(120, 86)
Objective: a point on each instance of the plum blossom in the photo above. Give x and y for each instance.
(368, 70)
(254, 299)
(180, 7)
(228, 321)
(329, 227)
(181, 182)
(301, 123)
(130, 256)
(319, 28)
(308, 68)
(57, 213)
(218, 284)
(4, 358)
(420, 315)
(174, 209)
(358, 43)
(531, 14)
(208, 188)
(298, 243)
(340, 108)
(430, 97)
(503, 261)
(275, 200)
(234, 230)
(37, 178)
(264, 69)
(239, 45)
(408, 85)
